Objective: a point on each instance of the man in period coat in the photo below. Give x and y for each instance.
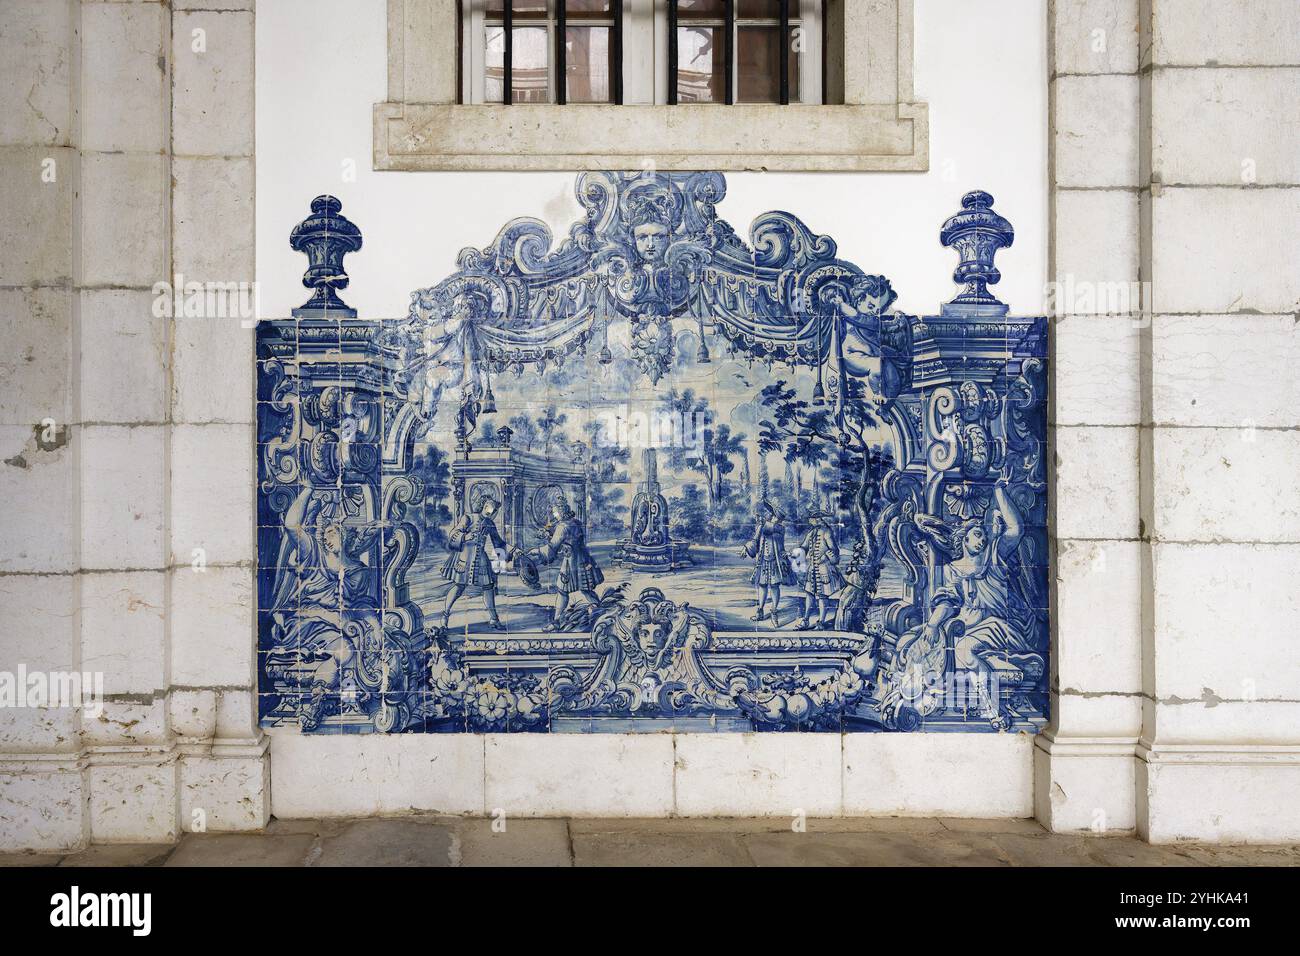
(474, 542)
(771, 564)
(577, 571)
(823, 579)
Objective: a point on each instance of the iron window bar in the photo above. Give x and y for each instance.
(729, 53)
(615, 23)
(785, 53)
(615, 51)
(507, 72)
(730, 25)
(561, 52)
(672, 52)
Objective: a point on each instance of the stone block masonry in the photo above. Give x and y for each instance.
(1173, 165)
(129, 162)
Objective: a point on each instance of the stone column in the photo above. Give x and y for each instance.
(224, 772)
(126, 433)
(85, 473)
(1084, 767)
(124, 251)
(42, 775)
(1219, 757)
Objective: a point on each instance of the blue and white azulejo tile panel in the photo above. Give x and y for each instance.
(654, 477)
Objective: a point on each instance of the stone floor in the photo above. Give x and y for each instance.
(443, 841)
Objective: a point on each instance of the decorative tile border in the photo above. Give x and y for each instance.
(456, 536)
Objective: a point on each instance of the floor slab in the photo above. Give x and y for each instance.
(656, 848)
(519, 843)
(386, 842)
(121, 854)
(242, 849)
(429, 840)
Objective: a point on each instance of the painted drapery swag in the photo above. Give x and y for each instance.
(915, 577)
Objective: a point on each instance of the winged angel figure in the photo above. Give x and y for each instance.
(983, 607)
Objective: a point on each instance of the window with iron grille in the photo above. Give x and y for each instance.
(628, 84)
(670, 52)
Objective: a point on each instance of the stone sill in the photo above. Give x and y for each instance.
(865, 138)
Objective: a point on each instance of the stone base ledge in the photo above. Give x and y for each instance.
(1218, 793)
(251, 746)
(1218, 753)
(130, 755)
(224, 792)
(1084, 784)
(132, 794)
(58, 761)
(43, 803)
(849, 138)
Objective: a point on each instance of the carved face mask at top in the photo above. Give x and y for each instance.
(653, 476)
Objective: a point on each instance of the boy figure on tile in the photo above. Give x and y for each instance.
(771, 565)
(474, 543)
(823, 580)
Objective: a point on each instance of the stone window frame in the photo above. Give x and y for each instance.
(871, 121)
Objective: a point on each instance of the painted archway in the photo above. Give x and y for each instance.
(654, 476)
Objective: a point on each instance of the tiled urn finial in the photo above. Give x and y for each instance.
(977, 233)
(325, 237)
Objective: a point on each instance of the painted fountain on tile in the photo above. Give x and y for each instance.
(654, 477)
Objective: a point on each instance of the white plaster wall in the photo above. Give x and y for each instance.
(321, 66)
(314, 136)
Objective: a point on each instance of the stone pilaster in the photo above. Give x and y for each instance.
(1084, 760)
(128, 429)
(224, 769)
(132, 778)
(42, 771)
(1219, 757)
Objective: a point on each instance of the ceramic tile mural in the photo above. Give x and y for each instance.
(654, 476)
